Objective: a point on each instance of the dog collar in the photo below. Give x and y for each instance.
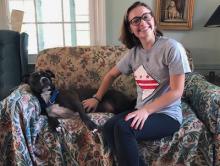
(53, 97)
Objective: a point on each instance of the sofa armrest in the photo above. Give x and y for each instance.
(21, 123)
(26, 138)
(204, 98)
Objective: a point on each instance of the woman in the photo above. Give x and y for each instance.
(159, 65)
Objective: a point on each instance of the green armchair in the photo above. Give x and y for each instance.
(13, 60)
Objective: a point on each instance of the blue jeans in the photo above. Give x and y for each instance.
(123, 140)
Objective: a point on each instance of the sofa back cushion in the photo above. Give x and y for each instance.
(84, 66)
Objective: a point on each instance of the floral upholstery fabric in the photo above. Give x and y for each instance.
(84, 66)
(204, 98)
(186, 147)
(27, 139)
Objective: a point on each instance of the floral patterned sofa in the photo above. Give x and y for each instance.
(26, 139)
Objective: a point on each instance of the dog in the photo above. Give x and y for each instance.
(172, 11)
(41, 85)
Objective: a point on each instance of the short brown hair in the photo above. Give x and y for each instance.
(126, 37)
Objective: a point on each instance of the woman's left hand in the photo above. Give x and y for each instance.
(139, 118)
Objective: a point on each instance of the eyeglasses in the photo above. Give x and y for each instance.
(137, 20)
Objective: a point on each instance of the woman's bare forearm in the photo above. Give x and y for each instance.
(107, 82)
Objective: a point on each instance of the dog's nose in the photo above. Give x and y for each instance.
(44, 80)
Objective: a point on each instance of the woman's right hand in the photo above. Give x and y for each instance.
(90, 104)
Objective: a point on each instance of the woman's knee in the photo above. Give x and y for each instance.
(122, 127)
(107, 129)
(109, 125)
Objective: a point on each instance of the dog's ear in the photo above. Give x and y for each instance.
(50, 73)
(25, 78)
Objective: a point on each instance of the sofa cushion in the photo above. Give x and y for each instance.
(185, 145)
(85, 66)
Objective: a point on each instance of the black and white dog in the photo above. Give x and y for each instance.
(41, 85)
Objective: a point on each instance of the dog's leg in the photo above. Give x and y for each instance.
(72, 102)
(53, 123)
(62, 112)
(89, 123)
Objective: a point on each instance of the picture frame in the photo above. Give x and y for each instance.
(174, 14)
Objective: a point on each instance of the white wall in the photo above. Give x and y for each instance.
(204, 43)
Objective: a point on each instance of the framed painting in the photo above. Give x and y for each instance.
(174, 14)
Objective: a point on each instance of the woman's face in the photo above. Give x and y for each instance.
(141, 21)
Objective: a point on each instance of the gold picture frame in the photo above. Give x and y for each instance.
(174, 14)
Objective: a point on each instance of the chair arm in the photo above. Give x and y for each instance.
(204, 98)
(24, 53)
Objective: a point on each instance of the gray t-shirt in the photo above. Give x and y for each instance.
(152, 69)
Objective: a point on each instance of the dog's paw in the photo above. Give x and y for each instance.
(59, 129)
(95, 131)
(92, 126)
